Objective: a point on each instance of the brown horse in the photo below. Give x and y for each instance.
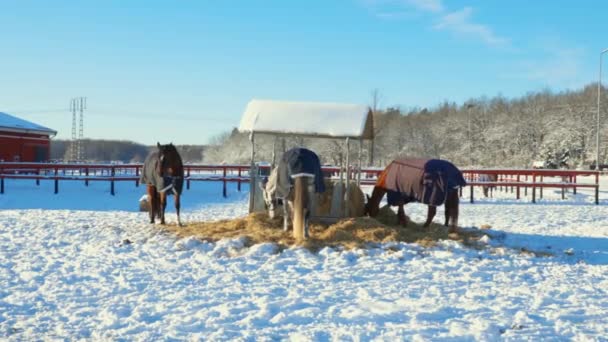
(163, 174)
(432, 182)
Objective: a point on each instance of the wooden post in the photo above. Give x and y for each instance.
(86, 173)
(112, 182)
(252, 185)
(239, 181)
(517, 187)
(188, 180)
(137, 176)
(1, 184)
(597, 188)
(573, 180)
(360, 153)
(298, 207)
(38, 179)
(347, 190)
(471, 193)
(224, 188)
(533, 189)
(56, 182)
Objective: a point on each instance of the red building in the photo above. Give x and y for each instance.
(24, 141)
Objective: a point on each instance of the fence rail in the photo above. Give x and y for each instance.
(515, 179)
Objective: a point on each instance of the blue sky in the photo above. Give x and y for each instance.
(183, 71)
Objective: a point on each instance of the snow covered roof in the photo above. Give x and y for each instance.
(331, 120)
(9, 123)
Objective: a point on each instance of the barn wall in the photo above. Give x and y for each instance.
(24, 147)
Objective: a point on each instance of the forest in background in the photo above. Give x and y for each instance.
(558, 129)
(105, 151)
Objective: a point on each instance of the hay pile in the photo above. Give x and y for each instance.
(356, 200)
(359, 232)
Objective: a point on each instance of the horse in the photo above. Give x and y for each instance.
(487, 189)
(163, 174)
(429, 181)
(296, 165)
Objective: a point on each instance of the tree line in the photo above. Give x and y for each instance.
(557, 129)
(105, 151)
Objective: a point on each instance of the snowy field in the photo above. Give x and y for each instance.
(86, 265)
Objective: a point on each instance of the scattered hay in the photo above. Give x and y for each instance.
(349, 233)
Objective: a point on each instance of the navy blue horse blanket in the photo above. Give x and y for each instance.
(151, 175)
(295, 161)
(426, 181)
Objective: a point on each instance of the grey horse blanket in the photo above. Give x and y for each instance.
(151, 175)
(295, 161)
(426, 181)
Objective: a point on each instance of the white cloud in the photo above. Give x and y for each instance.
(434, 6)
(561, 68)
(460, 23)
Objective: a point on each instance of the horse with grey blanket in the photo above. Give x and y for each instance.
(278, 188)
(163, 174)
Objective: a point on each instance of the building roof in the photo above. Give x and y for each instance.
(330, 120)
(9, 123)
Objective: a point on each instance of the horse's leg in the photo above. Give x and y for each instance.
(151, 191)
(454, 202)
(448, 211)
(430, 214)
(286, 210)
(401, 215)
(177, 205)
(163, 206)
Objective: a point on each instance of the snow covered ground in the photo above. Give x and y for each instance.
(85, 265)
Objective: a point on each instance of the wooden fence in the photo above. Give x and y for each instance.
(517, 180)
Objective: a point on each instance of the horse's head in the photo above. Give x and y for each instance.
(272, 203)
(372, 205)
(170, 160)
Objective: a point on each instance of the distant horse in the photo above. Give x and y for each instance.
(163, 173)
(429, 181)
(297, 164)
(487, 189)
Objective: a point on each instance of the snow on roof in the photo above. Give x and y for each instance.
(15, 124)
(333, 120)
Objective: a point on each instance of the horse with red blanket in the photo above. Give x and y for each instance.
(429, 181)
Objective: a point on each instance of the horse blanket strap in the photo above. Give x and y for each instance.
(426, 181)
(297, 161)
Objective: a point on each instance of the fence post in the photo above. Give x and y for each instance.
(86, 173)
(56, 182)
(573, 180)
(37, 178)
(597, 188)
(1, 184)
(517, 187)
(112, 182)
(239, 181)
(188, 181)
(533, 188)
(224, 189)
(471, 194)
(137, 176)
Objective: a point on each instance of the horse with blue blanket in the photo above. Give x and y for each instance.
(296, 164)
(163, 174)
(429, 181)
